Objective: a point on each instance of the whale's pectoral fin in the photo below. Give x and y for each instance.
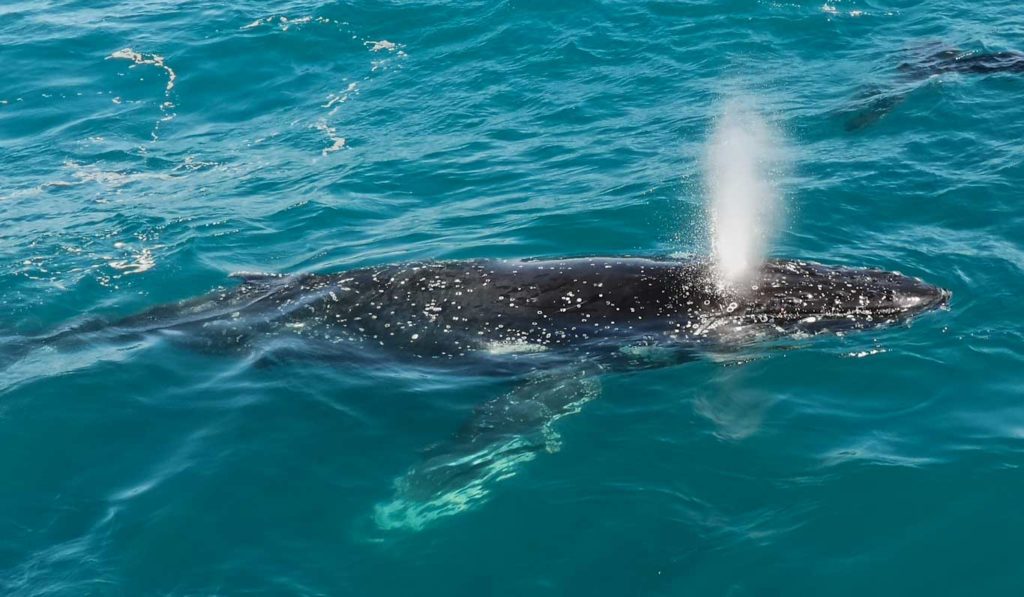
(501, 435)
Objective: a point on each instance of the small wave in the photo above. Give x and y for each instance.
(877, 451)
(137, 262)
(285, 23)
(90, 173)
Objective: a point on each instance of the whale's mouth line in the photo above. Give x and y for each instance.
(907, 306)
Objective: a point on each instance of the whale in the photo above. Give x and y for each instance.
(551, 326)
(874, 103)
(950, 60)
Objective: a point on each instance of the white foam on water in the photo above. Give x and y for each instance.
(139, 261)
(284, 23)
(833, 11)
(340, 98)
(138, 58)
(112, 179)
(386, 46)
(743, 153)
(866, 353)
(153, 59)
(377, 46)
(337, 142)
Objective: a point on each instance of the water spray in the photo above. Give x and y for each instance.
(742, 154)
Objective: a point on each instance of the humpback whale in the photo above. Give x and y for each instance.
(875, 102)
(551, 325)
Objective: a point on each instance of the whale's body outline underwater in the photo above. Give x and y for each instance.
(916, 70)
(552, 325)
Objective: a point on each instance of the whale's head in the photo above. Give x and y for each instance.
(792, 297)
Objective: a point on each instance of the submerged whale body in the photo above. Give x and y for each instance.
(553, 324)
(874, 103)
(952, 60)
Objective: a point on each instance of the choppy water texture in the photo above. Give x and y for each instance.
(150, 148)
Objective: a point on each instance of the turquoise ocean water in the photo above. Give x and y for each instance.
(148, 148)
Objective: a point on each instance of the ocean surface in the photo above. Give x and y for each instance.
(149, 148)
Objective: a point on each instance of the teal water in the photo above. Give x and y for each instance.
(299, 136)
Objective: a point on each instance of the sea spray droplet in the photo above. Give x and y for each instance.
(743, 203)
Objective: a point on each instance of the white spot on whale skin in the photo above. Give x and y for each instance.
(647, 352)
(514, 347)
(909, 302)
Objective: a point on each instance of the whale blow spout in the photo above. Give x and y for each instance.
(743, 201)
